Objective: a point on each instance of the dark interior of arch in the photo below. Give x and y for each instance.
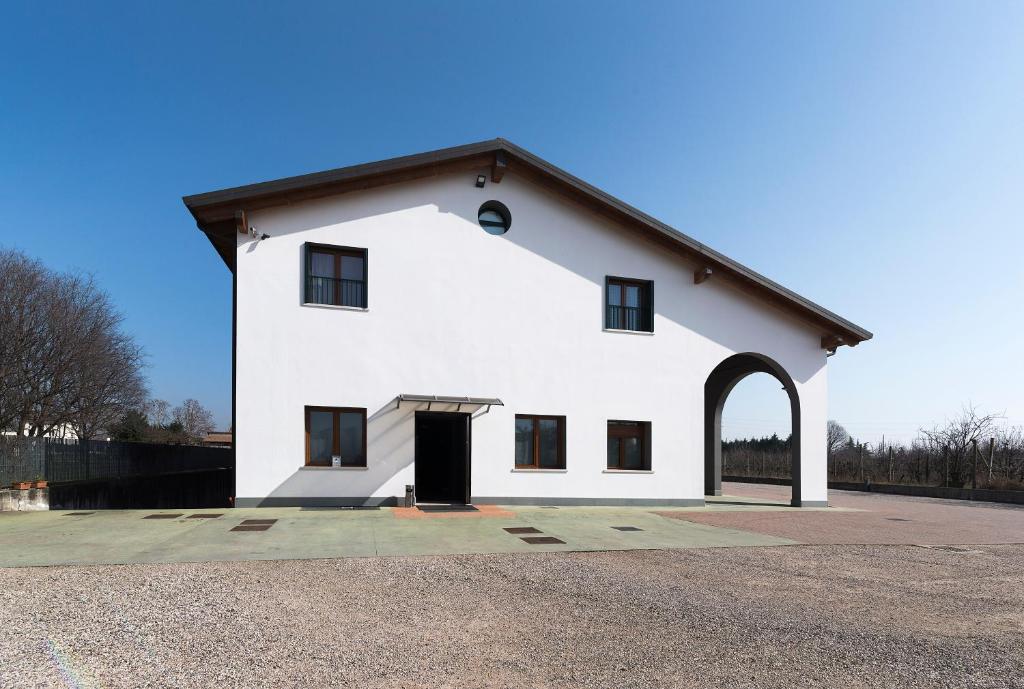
(717, 388)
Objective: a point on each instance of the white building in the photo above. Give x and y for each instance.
(484, 326)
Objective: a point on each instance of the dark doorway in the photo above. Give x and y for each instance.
(442, 457)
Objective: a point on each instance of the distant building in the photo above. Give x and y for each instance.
(486, 327)
(61, 432)
(217, 439)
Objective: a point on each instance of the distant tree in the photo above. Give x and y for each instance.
(194, 419)
(954, 439)
(108, 384)
(133, 427)
(158, 412)
(837, 438)
(64, 359)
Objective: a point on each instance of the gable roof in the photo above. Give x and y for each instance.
(220, 214)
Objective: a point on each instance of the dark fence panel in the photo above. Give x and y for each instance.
(61, 461)
(98, 474)
(21, 459)
(171, 491)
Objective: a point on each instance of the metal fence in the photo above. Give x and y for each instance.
(63, 461)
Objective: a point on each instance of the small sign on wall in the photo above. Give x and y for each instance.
(335, 460)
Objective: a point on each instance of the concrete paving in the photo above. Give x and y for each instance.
(749, 515)
(129, 537)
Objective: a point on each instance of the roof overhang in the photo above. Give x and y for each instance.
(222, 216)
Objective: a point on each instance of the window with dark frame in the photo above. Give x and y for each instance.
(540, 442)
(335, 275)
(629, 304)
(628, 445)
(335, 431)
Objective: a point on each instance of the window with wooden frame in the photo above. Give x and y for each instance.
(540, 442)
(335, 275)
(629, 304)
(335, 432)
(629, 444)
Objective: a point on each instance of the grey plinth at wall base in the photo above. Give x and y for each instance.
(28, 500)
(594, 502)
(809, 503)
(298, 501)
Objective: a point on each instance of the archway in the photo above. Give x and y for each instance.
(719, 384)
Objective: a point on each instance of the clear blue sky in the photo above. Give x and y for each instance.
(867, 155)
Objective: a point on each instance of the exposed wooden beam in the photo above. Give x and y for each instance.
(241, 222)
(701, 274)
(830, 342)
(499, 167)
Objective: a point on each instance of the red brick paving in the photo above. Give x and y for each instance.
(879, 521)
(481, 511)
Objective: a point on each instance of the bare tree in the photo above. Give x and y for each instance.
(34, 355)
(195, 420)
(837, 437)
(107, 387)
(1009, 443)
(64, 360)
(955, 438)
(158, 412)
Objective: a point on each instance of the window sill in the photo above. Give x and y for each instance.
(628, 332)
(539, 471)
(336, 307)
(628, 471)
(341, 468)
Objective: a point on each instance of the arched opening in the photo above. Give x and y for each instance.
(756, 430)
(719, 384)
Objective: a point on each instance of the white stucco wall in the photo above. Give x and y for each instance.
(456, 311)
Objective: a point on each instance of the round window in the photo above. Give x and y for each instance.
(494, 217)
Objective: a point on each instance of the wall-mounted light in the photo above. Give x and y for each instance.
(481, 180)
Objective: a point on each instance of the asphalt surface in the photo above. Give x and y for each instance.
(806, 616)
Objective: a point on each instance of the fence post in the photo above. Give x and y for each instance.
(974, 467)
(991, 458)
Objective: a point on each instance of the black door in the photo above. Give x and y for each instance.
(442, 457)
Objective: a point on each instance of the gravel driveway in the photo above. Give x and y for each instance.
(807, 616)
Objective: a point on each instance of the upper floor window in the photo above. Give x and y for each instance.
(494, 217)
(629, 304)
(335, 275)
(540, 442)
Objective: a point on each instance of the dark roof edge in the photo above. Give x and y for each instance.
(341, 174)
(263, 191)
(691, 243)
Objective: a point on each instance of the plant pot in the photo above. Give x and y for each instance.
(39, 484)
(21, 485)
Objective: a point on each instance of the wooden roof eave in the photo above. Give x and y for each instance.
(215, 213)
